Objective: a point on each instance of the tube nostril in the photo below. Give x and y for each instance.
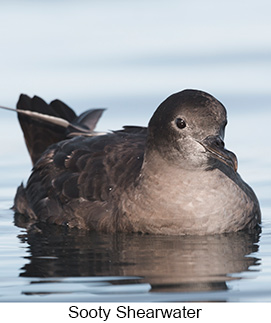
(219, 143)
(214, 141)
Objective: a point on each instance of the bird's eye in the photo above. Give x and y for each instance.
(180, 123)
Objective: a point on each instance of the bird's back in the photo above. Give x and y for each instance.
(77, 175)
(76, 182)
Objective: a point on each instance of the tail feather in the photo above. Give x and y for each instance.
(89, 119)
(40, 133)
(62, 110)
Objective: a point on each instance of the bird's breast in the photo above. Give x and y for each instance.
(204, 202)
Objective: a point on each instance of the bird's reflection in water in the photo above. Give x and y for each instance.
(167, 263)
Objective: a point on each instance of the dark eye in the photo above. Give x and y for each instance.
(180, 123)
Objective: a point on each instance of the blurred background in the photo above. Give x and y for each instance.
(128, 56)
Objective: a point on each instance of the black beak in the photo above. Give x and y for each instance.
(215, 146)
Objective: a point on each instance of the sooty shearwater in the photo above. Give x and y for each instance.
(174, 177)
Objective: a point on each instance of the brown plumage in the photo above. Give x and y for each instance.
(174, 177)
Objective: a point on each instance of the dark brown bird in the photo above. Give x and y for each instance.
(173, 177)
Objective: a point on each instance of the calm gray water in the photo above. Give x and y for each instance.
(128, 57)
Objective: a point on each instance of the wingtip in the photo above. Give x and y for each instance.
(24, 102)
